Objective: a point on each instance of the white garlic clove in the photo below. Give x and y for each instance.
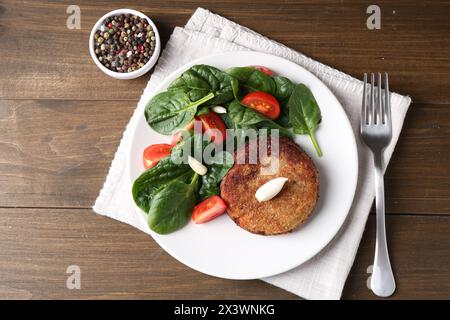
(197, 166)
(219, 109)
(270, 189)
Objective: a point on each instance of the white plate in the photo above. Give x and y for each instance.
(222, 249)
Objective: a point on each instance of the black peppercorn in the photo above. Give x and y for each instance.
(124, 43)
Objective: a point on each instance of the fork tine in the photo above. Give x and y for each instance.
(372, 109)
(380, 113)
(364, 102)
(387, 101)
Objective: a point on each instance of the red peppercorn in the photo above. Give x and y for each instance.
(127, 49)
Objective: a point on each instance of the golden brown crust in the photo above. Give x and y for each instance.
(290, 208)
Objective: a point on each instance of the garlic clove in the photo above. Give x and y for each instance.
(270, 189)
(219, 109)
(197, 166)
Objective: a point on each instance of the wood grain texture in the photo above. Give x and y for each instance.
(44, 144)
(118, 261)
(418, 248)
(56, 153)
(418, 176)
(61, 120)
(413, 44)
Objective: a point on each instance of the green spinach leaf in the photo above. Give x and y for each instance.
(283, 88)
(283, 119)
(236, 92)
(244, 117)
(200, 80)
(253, 79)
(202, 110)
(216, 171)
(172, 206)
(154, 179)
(172, 110)
(304, 113)
(283, 91)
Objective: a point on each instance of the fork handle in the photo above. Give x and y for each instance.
(382, 282)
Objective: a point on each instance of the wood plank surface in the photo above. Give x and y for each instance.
(61, 120)
(418, 247)
(43, 59)
(56, 153)
(118, 261)
(44, 144)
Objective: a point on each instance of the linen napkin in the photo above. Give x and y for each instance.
(322, 277)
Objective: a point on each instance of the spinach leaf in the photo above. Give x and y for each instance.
(244, 117)
(192, 144)
(154, 179)
(172, 206)
(283, 91)
(304, 113)
(216, 171)
(235, 86)
(253, 79)
(202, 110)
(280, 87)
(283, 119)
(174, 167)
(200, 80)
(283, 88)
(172, 110)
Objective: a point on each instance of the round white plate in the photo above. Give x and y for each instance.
(222, 249)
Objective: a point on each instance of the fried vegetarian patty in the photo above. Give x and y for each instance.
(286, 211)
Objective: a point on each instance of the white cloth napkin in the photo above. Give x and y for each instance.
(322, 277)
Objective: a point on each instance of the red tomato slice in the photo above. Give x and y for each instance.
(265, 70)
(208, 209)
(214, 127)
(177, 137)
(263, 103)
(154, 153)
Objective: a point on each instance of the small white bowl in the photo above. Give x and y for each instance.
(126, 75)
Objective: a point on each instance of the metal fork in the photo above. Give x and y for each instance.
(376, 131)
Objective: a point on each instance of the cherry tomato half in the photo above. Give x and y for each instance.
(213, 126)
(154, 153)
(264, 103)
(265, 70)
(208, 209)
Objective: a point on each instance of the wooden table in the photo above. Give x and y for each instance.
(61, 120)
